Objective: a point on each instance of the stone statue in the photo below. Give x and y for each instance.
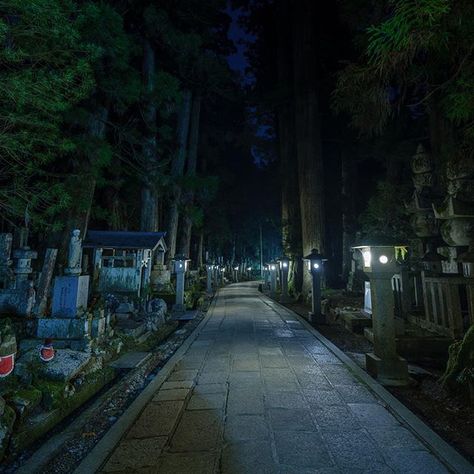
(75, 254)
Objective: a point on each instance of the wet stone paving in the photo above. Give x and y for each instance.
(256, 392)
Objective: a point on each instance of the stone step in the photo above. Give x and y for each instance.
(130, 360)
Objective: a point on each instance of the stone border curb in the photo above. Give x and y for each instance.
(440, 448)
(104, 448)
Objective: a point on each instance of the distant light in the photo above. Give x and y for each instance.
(316, 265)
(272, 267)
(249, 268)
(383, 259)
(285, 264)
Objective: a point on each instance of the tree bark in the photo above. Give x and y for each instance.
(177, 169)
(188, 196)
(308, 133)
(149, 205)
(290, 206)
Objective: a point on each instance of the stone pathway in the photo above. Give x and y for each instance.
(256, 392)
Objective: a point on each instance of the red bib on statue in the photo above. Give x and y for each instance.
(7, 364)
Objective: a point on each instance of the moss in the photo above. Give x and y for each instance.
(25, 400)
(459, 374)
(53, 393)
(158, 336)
(6, 425)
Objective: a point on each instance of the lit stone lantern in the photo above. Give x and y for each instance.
(249, 273)
(314, 263)
(380, 264)
(273, 269)
(180, 266)
(210, 269)
(222, 272)
(284, 270)
(236, 274)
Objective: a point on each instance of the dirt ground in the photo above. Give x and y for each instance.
(452, 418)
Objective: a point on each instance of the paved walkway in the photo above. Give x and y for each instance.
(256, 392)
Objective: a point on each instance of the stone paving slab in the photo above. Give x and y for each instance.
(257, 392)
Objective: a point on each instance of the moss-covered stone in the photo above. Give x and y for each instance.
(6, 425)
(459, 374)
(24, 400)
(53, 393)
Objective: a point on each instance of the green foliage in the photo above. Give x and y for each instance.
(46, 70)
(385, 219)
(421, 51)
(459, 374)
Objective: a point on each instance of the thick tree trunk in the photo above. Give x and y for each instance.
(348, 211)
(149, 205)
(177, 169)
(290, 206)
(188, 196)
(84, 190)
(308, 133)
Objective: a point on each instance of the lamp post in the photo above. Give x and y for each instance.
(314, 263)
(273, 269)
(284, 270)
(249, 273)
(210, 269)
(180, 265)
(380, 264)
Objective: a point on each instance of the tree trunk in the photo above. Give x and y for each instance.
(290, 206)
(348, 211)
(177, 169)
(308, 133)
(188, 196)
(149, 205)
(84, 189)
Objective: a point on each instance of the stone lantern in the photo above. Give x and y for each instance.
(222, 272)
(432, 261)
(180, 266)
(272, 270)
(210, 269)
(236, 274)
(284, 270)
(380, 264)
(314, 263)
(249, 273)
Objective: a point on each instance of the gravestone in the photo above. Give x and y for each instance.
(70, 296)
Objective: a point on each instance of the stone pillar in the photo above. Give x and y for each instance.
(23, 268)
(316, 315)
(209, 279)
(180, 270)
(384, 363)
(284, 297)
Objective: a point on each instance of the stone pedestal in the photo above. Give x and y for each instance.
(284, 297)
(316, 316)
(70, 296)
(179, 306)
(384, 363)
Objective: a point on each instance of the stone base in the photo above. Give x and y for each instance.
(356, 321)
(393, 372)
(317, 319)
(62, 328)
(178, 308)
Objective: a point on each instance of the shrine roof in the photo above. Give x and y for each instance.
(124, 240)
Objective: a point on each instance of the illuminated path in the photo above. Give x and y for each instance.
(257, 392)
